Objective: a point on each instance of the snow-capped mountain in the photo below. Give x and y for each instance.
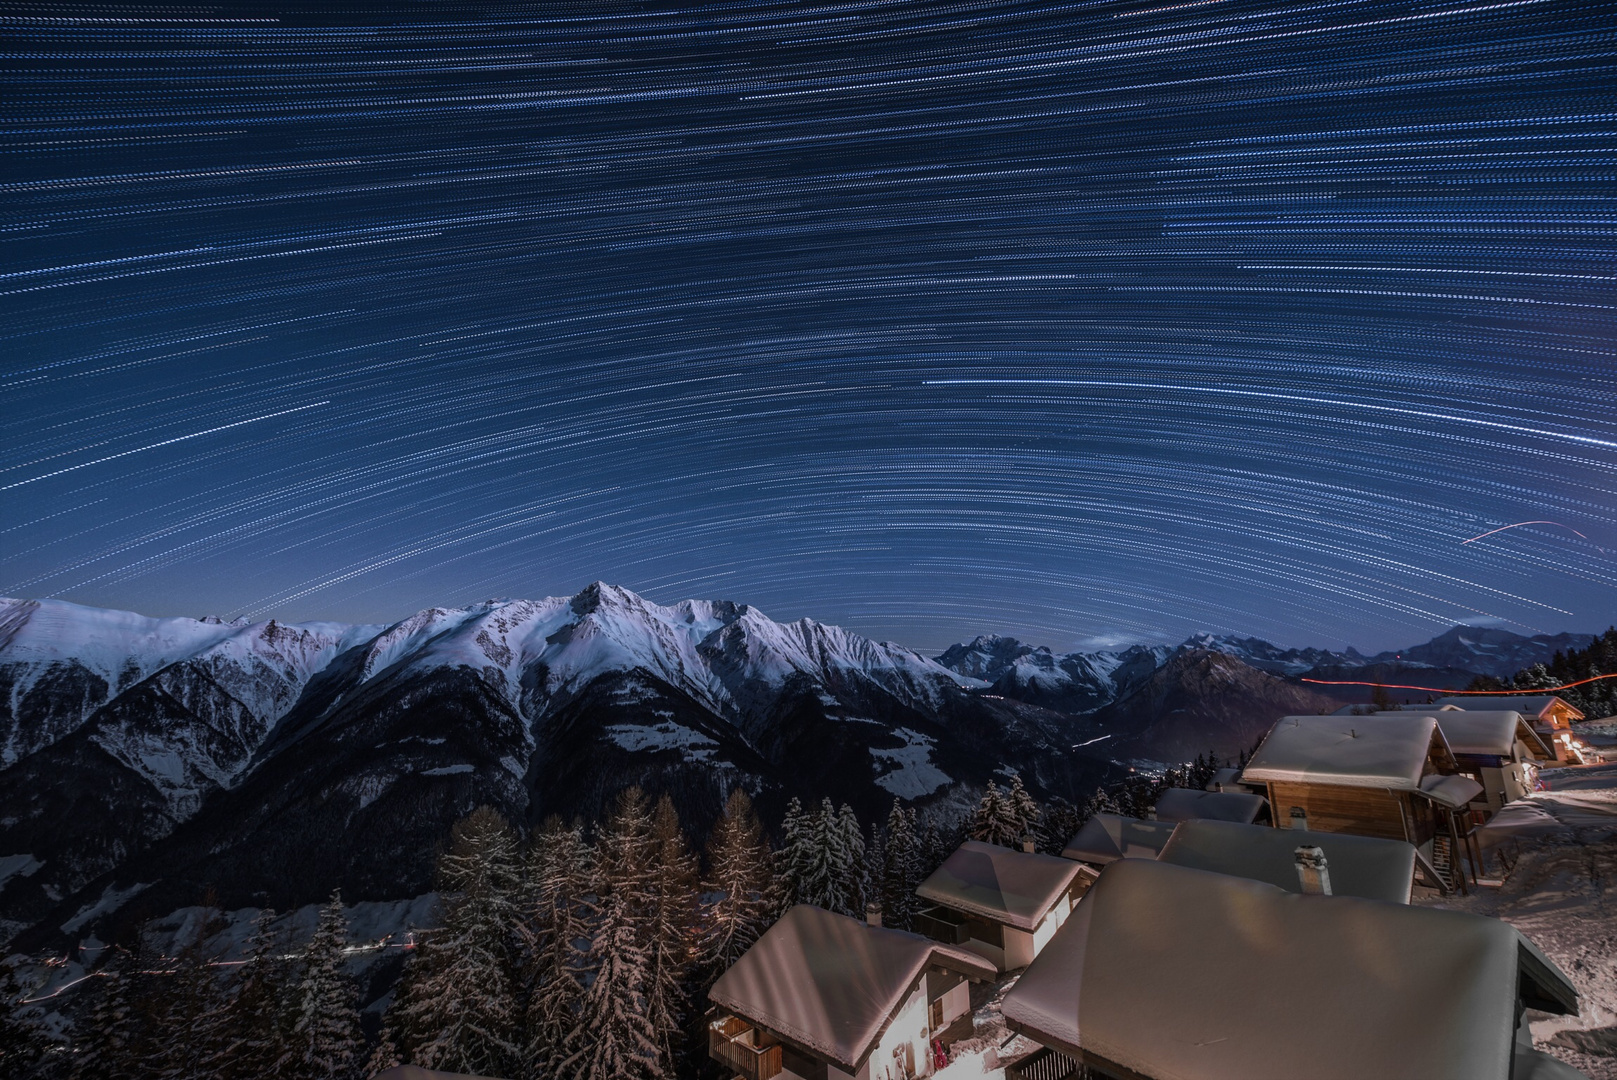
(60, 663)
(152, 757)
(1083, 682)
(1485, 650)
(1073, 683)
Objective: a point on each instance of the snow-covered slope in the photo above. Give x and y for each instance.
(726, 656)
(61, 662)
(1073, 682)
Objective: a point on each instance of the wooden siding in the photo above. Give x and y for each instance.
(1358, 810)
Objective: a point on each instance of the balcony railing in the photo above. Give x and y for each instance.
(942, 924)
(749, 1051)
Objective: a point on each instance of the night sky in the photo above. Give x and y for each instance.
(1087, 322)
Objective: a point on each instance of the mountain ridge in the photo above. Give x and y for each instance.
(143, 760)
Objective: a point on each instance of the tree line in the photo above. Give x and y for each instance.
(1595, 699)
(571, 953)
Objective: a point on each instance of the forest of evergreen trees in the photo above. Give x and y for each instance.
(573, 953)
(1595, 699)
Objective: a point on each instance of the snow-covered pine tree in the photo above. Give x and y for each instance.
(671, 940)
(555, 925)
(900, 865)
(326, 1041)
(22, 1043)
(876, 863)
(1058, 824)
(739, 879)
(1024, 812)
(793, 856)
(995, 820)
(622, 1044)
(254, 1028)
(456, 1007)
(187, 1028)
(852, 869)
(116, 1040)
(817, 868)
(621, 1040)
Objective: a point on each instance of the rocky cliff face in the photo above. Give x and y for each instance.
(1201, 702)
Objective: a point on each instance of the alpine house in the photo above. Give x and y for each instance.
(1000, 903)
(1170, 973)
(821, 996)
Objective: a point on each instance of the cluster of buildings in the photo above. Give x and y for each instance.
(1259, 928)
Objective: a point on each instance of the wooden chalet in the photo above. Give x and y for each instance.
(1170, 972)
(1499, 749)
(1346, 865)
(821, 996)
(1364, 775)
(1549, 715)
(1188, 804)
(1000, 903)
(1229, 779)
(1105, 838)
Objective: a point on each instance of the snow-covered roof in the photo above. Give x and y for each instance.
(1358, 865)
(1223, 778)
(1105, 838)
(1388, 750)
(1454, 792)
(1016, 888)
(830, 983)
(1492, 732)
(1173, 972)
(1534, 705)
(1184, 804)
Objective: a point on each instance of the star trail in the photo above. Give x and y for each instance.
(1087, 322)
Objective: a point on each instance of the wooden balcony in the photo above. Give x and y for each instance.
(745, 1050)
(1047, 1064)
(942, 924)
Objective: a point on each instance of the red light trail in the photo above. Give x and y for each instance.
(1452, 693)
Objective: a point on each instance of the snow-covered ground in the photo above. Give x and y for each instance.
(907, 771)
(1561, 892)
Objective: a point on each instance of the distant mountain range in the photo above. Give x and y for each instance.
(1083, 682)
(144, 760)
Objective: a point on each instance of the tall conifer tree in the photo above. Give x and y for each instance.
(622, 1039)
(326, 1042)
(254, 1029)
(900, 869)
(852, 870)
(555, 931)
(740, 881)
(1024, 812)
(793, 856)
(456, 1009)
(671, 935)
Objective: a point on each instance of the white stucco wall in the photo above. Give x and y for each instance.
(907, 1029)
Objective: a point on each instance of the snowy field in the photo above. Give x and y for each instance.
(1561, 892)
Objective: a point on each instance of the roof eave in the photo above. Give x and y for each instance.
(1296, 776)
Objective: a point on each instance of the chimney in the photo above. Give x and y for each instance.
(873, 914)
(1299, 818)
(1029, 845)
(1312, 872)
